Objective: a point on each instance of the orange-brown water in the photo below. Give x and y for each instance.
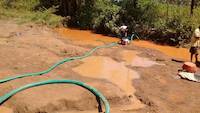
(100, 67)
(128, 56)
(84, 37)
(88, 37)
(181, 53)
(106, 68)
(131, 58)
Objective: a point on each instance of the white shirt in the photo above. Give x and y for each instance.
(195, 41)
(123, 27)
(197, 32)
(126, 40)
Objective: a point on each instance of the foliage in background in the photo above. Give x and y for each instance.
(105, 16)
(163, 21)
(166, 22)
(24, 11)
(100, 15)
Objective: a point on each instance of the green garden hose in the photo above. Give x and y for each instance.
(91, 89)
(57, 64)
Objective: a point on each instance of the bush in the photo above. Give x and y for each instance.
(106, 16)
(164, 23)
(157, 20)
(100, 15)
(24, 11)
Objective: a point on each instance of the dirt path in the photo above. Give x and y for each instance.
(134, 79)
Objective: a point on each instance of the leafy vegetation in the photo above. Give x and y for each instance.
(24, 11)
(164, 21)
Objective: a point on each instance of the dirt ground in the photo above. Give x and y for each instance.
(31, 48)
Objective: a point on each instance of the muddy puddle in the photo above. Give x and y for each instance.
(86, 37)
(101, 67)
(106, 68)
(180, 53)
(131, 58)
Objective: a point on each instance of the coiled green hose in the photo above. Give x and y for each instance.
(57, 64)
(91, 89)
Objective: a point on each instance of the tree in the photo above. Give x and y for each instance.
(135, 2)
(69, 7)
(192, 7)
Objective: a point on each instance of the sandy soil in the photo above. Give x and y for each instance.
(30, 48)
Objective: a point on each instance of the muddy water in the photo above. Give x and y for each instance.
(106, 68)
(131, 58)
(84, 37)
(181, 53)
(129, 55)
(88, 37)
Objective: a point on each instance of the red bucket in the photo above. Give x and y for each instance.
(125, 42)
(190, 67)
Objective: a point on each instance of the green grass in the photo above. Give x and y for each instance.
(23, 13)
(170, 12)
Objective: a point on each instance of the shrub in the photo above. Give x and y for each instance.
(24, 11)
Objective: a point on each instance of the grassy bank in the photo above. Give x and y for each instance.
(24, 12)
